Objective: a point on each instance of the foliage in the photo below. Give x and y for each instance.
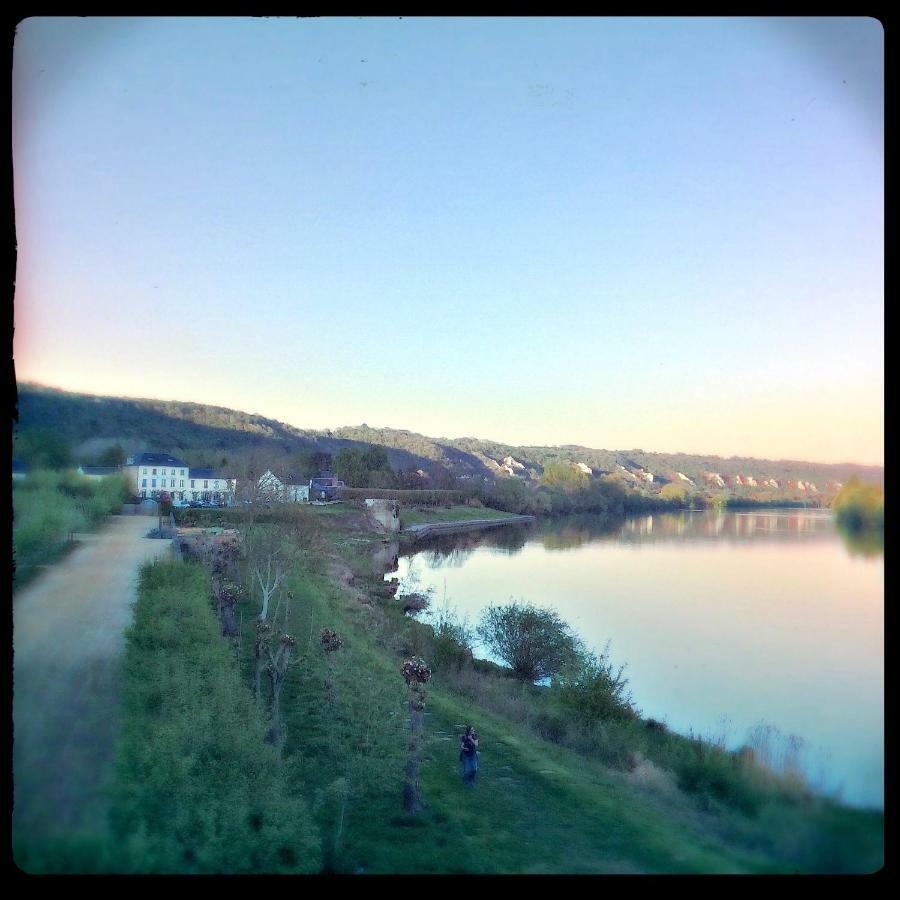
(534, 642)
(565, 476)
(50, 506)
(368, 467)
(674, 491)
(198, 790)
(859, 506)
(42, 448)
(593, 690)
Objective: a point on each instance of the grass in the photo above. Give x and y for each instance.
(429, 515)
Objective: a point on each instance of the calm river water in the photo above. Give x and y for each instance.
(727, 622)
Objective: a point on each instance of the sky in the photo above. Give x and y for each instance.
(654, 233)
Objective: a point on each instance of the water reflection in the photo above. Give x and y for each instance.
(865, 542)
(573, 532)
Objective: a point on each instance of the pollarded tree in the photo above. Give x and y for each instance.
(535, 643)
(416, 673)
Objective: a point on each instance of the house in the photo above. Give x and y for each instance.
(98, 471)
(325, 487)
(286, 488)
(151, 474)
(210, 486)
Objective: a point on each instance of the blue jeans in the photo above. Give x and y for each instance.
(470, 768)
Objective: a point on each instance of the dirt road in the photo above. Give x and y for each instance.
(68, 638)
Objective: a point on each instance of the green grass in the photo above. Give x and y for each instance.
(429, 515)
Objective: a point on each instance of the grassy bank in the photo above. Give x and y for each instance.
(423, 516)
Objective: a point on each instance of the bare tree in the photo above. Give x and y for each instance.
(416, 673)
(269, 561)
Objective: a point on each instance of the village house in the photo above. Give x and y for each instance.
(325, 487)
(286, 488)
(151, 474)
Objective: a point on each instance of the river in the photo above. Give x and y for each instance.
(762, 627)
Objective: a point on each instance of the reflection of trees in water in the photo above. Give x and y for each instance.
(455, 549)
(867, 542)
(572, 532)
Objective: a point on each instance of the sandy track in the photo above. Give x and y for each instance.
(68, 639)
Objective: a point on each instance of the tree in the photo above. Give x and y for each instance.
(42, 448)
(270, 558)
(674, 492)
(535, 643)
(416, 673)
(112, 456)
(565, 476)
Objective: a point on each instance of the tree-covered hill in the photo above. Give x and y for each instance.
(215, 435)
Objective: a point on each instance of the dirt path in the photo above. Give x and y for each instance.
(68, 638)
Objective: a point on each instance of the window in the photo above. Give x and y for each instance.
(206, 484)
(154, 481)
(182, 472)
(192, 482)
(145, 470)
(144, 481)
(173, 483)
(182, 481)
(162, 472)
(216, 484)
(143, 494)
(154, 471)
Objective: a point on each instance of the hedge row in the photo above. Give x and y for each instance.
(197, 789)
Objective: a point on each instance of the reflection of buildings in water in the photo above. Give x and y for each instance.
(386, 558)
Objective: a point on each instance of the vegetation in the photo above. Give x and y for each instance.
(534, 642)
(49, 507)
(859, 506)
(198, 789)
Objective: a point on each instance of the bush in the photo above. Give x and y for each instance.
(535, 643)
(452, 644)
(716, 774)
(594, 690)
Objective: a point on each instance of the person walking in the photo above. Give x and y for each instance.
(468, 755)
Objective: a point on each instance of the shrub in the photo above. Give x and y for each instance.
(535, 643)
(592, 689)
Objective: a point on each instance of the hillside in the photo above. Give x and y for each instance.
(215, 435)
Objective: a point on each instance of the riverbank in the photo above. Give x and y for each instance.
(550, 798)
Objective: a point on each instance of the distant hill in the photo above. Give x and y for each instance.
(214, 435)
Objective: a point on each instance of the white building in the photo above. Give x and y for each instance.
(284, 489)
(150, 474)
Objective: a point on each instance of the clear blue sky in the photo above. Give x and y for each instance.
(656, 233)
